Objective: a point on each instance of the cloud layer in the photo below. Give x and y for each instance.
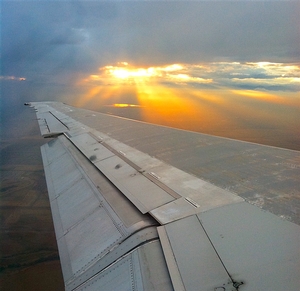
(231, 75)
(46, 38)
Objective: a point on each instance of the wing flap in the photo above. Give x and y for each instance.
(50, 125)
(76, 230)
(126, 178)
(190, 253)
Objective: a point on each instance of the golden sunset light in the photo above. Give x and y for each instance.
(124, 105)
(261, 73)
(130, 73)
(201, 97)
(126, 73)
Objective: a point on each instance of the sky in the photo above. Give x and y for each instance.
(229, 68)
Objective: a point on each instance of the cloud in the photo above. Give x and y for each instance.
(12, 78)
(260, 75)
(70, 36)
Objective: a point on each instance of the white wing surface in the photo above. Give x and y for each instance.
(144, 207)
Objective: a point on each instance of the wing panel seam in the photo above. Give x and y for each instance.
(149, 176)
(170, 260)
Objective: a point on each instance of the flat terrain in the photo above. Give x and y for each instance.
(28, 252)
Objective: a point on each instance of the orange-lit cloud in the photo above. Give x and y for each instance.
(124, 73)
(260, 75)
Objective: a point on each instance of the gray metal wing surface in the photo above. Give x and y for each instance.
(138, 206)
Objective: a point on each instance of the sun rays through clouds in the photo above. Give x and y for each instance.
(208, 97)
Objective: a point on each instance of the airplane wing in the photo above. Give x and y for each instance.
(138, 206)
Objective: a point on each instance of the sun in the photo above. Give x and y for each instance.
(120, 73)
(131, 73)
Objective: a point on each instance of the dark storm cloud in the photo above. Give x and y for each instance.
(206, 31)
(41, 37)
(150, 32)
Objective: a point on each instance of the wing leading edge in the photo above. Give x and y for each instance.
(128, 216)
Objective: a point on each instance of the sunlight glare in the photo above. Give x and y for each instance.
(131, 73)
